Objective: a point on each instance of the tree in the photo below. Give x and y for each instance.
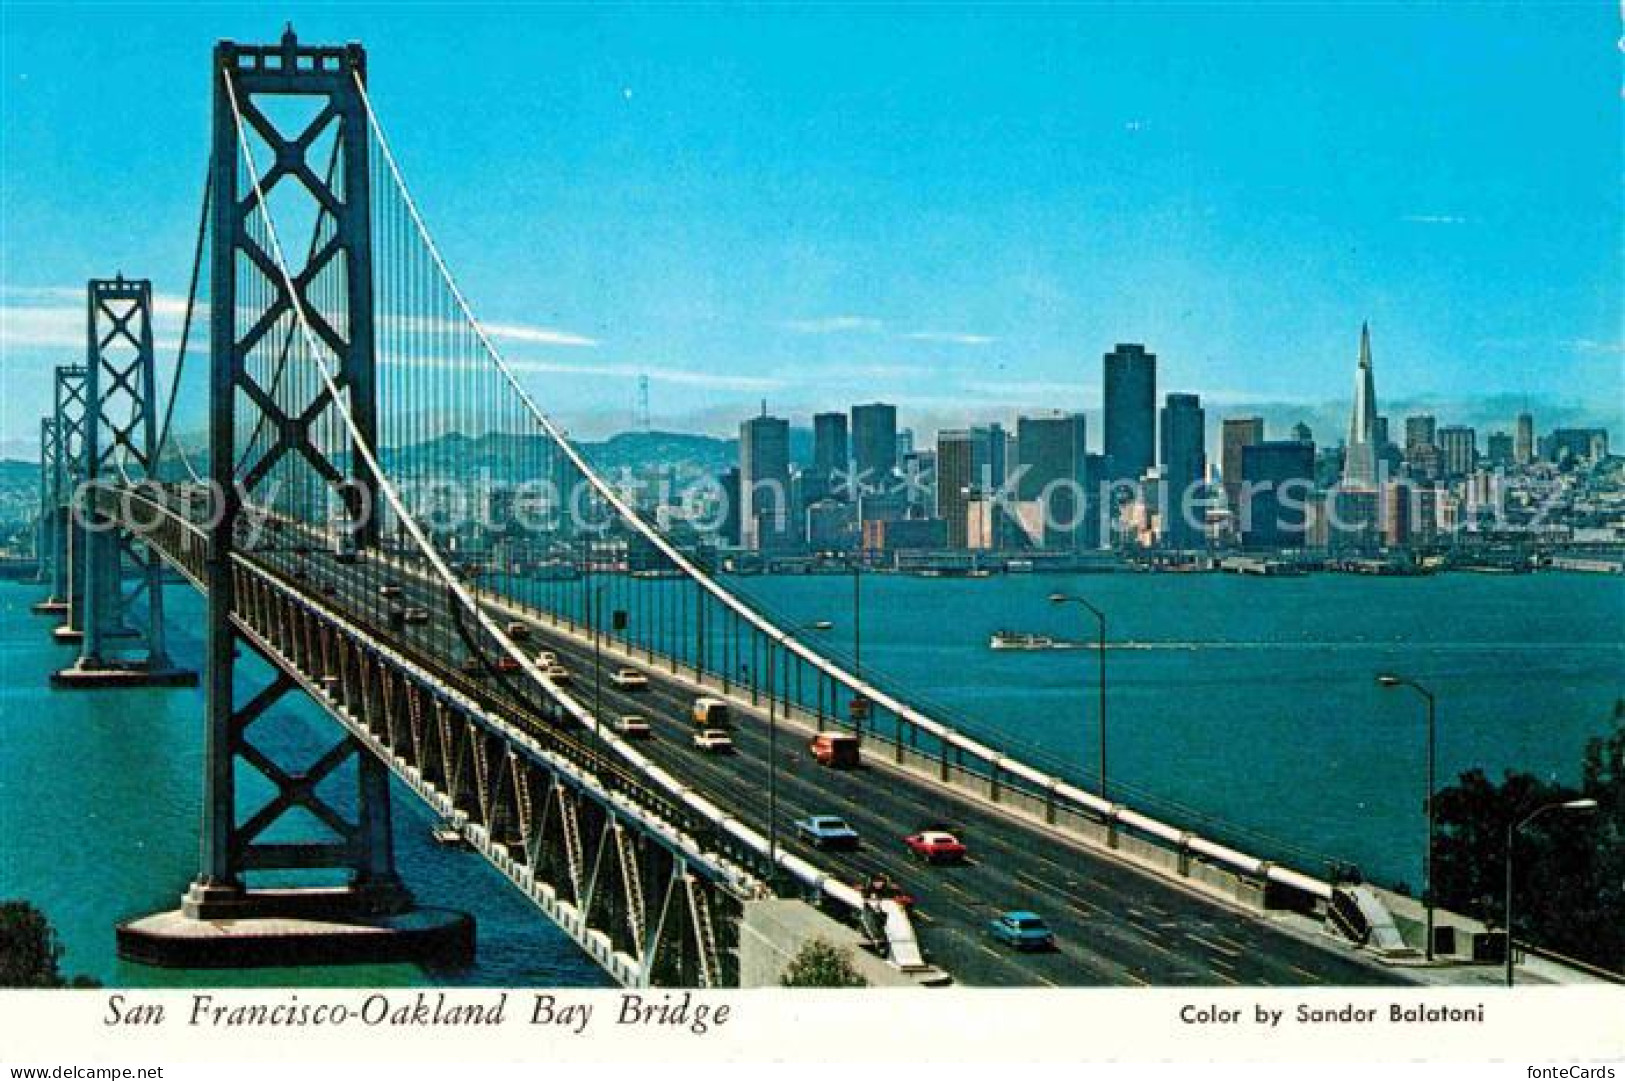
(821, 964)
(1569, 886)
(30, 949)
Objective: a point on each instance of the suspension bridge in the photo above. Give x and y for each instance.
(332, 399)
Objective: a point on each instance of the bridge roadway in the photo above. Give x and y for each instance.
(1116, 924)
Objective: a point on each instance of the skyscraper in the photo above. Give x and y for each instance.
(1360, 454)
(1500, 449)
(1523, 440)
(1184, 462)
(729, 528)
(1280, 478)
(874, 443)
(956, 481)
(1459, 447)
(829, 456)
(1237, 433)
(1420, 430)
(1131, 411)
(764, 483)
(1051, 455)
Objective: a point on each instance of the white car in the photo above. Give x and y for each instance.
(713, 741)
(415, 615)
(559, 674)
(546, 659)
(630, 679)
(632, 726)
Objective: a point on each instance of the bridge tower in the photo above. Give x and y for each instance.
(70, 416)
(46, 527)
(265, 421)
(118, 447)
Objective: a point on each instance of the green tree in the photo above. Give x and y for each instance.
(822, 964)
(1569, 887)
(29, 949)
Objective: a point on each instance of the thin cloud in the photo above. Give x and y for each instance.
(1034, 390)
(949, 338)
(533, 366)
(1436, 219)
(834, 324)
(1591, 345)
(538, 335)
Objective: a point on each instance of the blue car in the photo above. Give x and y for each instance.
(1021, 930)
(827, 831)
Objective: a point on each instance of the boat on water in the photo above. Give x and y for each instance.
(1028, 640)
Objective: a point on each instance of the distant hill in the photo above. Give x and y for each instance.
(635, 451)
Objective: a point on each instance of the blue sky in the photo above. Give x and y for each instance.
(957, 209)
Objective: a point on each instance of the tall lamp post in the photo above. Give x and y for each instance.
(1390, 680)
(773, 740)
(1512, 833)
(857, 617)
(1100, 621)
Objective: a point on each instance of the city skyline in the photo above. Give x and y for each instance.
(1111, 205)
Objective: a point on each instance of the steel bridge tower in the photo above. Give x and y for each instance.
(326, 78)
(69, 417)
(46, 528)
(119, 443)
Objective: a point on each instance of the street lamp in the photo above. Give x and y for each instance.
(1100, 619)
(773, 740)
(1512, 833)
(1391, 680)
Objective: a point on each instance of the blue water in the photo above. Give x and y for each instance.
(1253, 701)
(99, 798)
(1243, 705)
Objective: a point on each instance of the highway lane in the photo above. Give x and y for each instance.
(1116, 924)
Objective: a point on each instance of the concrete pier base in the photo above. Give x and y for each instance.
(115, 675)
(265, 928)
(68, 634)
(50, 607)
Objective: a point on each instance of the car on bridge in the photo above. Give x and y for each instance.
(559, 674)
(518, 631)
(506, 663)
(837, 750)
(415, 614)
(632, 726)
(713, 741)
(827, 831)
(630, 679)
(390, 590)
(1021, 930)
(934, 846)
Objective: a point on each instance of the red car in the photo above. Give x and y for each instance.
(934, 846)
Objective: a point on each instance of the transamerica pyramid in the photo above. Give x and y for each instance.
(1360, 460)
